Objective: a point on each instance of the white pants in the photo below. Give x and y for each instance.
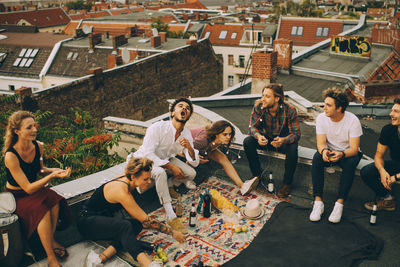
(160, 176)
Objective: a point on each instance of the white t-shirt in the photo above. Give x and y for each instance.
(338, 133)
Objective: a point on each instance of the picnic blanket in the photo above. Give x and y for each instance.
(290, 239)
(209, 241)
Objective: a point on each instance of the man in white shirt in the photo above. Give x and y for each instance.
(162, 142)
(338, 141)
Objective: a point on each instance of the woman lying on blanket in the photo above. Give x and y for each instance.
(207, 140)
(96, 219)
(38, 207)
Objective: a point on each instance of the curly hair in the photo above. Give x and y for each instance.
(340, 97)
(217, 128)
(136, 166)
(14, 123)
(171, 109)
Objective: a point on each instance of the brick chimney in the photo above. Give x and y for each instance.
(94, 39)
(264, 70)
(155, 41)
(117, 41)
(197, 15)
(163, 36)
(113, 61)
(284, 49)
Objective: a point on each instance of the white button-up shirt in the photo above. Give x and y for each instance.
(159, 144)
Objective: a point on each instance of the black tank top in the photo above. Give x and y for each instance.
(98, 204)
(31, 170)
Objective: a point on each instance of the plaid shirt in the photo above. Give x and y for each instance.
(284, 124)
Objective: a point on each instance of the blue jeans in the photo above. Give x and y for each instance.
(372, 178)
(348, 166)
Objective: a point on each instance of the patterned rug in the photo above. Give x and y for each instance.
(209, 241)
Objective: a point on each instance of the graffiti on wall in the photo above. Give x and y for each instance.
(355, 46)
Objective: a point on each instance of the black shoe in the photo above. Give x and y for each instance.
(181, 189)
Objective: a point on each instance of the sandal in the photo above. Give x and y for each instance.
(61, 253)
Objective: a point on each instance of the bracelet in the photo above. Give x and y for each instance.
(322, 151)
(104, 255)
(344, 154)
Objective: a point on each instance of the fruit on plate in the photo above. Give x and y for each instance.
(238, 229)
(244, 228)
(221, 202)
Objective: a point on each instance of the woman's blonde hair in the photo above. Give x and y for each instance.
(14, 123)
(136, 166)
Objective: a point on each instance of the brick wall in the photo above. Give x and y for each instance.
(385, 35)
(377, 91)
(264, 70)
(137, 91)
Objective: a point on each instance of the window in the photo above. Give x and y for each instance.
(233, 36)
(207, 35)
(230, 80)
(297, 30)
(322, 32)
(2, 57)
(11, 87)
(25, 57)
(230, 59)
(222, 35)
(241, 61)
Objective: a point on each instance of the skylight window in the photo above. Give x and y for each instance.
(233, 36)
(70, 54)
(75, 56)
(222, 35)
(25, 57)
(207, 35)
(22, 53)
(2, 57)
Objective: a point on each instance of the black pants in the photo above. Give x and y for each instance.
(291, 151)
(372, 178)
(122, 232)
(348, 166)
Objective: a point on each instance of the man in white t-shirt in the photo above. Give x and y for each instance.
(338, 143)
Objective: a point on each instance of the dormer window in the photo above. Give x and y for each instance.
(222, 35)
(297, 30)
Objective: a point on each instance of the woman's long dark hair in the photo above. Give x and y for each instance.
(217, 128)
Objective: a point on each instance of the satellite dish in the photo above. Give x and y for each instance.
(125, 55)
(155, 32)
(86, 29)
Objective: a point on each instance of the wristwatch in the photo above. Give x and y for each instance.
(344, 154)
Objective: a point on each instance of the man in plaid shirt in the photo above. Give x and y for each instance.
(273, 126)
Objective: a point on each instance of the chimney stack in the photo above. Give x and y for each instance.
(163, 36)
(284, 49)
(94, 39)
(264, 70)
(155, 41)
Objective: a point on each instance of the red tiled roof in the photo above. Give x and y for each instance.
(90, 15)
(39, 39)
(389, 70)
(77, 16)
(216, 29)
(115, 28)
(41, 18)
(379, 11)
(309, 30)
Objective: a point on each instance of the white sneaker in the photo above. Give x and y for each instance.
(317, 211)
(249, 185)
(190, 185)
(93, 260)
(336, 214)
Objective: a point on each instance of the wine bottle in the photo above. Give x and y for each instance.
(270, 184)
(179, 208)
(372, 219)
(207, 205)
(192, 216)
